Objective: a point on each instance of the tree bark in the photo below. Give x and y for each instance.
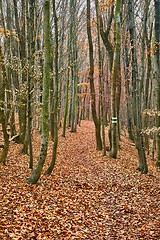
(67, 89)
(116, 75)
(45, 97)
(136, 94)
(74, 63)
(91, 80)
(55, 144)
(157, 54)
(22, 51)
(101, 92)
(3, 119)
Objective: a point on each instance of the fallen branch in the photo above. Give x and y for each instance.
(14, 138)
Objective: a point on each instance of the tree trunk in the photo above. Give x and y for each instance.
(67, 90)
(31, 51)
(74, 62)
(45, 97)
(55, 144)
(115, 79)
(157, 54)
(3, 119)
(136, 94)
(101, 92)
(91, 80)
(22, 51)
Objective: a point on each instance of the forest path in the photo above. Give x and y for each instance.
(86, 197)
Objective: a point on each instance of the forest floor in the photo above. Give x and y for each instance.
(86, 197)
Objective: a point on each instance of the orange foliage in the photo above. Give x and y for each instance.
(105, 4)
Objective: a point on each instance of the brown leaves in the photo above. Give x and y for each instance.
(87, 196)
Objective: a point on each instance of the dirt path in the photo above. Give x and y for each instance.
(86, 197)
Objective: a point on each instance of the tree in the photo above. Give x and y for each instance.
(91, 80)
(113, 50)
(157, 54)
(31, 51)
(21, 31)
(136, 93)
(116, 76)
(67, 87)
(3, 116)
(45, 97)
(101, 92)
(54, 153)
(74, 63)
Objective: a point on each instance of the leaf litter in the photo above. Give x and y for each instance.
(86, 197)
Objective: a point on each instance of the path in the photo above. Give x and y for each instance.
(86, 197)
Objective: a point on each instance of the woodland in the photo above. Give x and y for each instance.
(80, 119)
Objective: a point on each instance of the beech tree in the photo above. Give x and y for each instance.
(45, 97)
(101, 92)
(157, 55)
(136, 93)
(3, 118)
(21, 84)
(56, 56)
(31, 52)
(115, 78)
(97, 122)
(67, 85)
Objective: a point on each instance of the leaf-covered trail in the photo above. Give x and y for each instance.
(86, 197)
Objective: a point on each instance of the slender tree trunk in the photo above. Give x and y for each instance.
(110, 50)
(67, 90)
(45, 97)
(10, 76)
(145, 83)
(91, 80)
(22, 51)
(8, 93)
(55, 144)
(31, 51)
(105, 37)
(74, 62)
(3, 119)
(128, 96)
(100, 80)
(115, 79)
(157, 54)
(136, 94)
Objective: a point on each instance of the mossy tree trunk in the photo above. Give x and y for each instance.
(3, 116)
(157, 54)
(55, 144)
(22, 97)
(45, 97)
(9, 48)
(31, 51)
